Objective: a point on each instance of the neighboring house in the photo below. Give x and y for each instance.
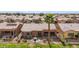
(67, 18)
(20, 18)
(38, 30)
(9, 30)
(2, 18)
(70, 30)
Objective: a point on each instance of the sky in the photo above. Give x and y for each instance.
(39, 5)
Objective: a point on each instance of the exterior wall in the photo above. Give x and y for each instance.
(26, 36)
(32, 34)
(39, 34)
(8, 34)
(66, 34)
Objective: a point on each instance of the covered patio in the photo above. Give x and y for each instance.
(38, 30)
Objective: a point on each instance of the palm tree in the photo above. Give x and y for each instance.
(49, 18)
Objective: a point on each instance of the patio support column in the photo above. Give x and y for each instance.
(30, 34)
(16, 31)
(10, 33)
(42, 34)
(36, 33)
(13, 33)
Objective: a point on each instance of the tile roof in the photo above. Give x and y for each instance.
(36, 27)
(69, 26)
(8, 26)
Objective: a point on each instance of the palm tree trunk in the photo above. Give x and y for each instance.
(49, 35)
(60, 33)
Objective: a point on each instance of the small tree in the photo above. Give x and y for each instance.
(49, 18)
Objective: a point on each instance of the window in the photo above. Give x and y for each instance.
(39, 34)
(52, 33)
(28, 34)
(78, 35)
(45, 33)
(71, 35)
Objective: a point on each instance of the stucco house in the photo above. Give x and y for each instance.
(70, 30)
(9, 30)
(38, 30)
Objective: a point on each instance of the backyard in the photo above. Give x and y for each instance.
(27, 45)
